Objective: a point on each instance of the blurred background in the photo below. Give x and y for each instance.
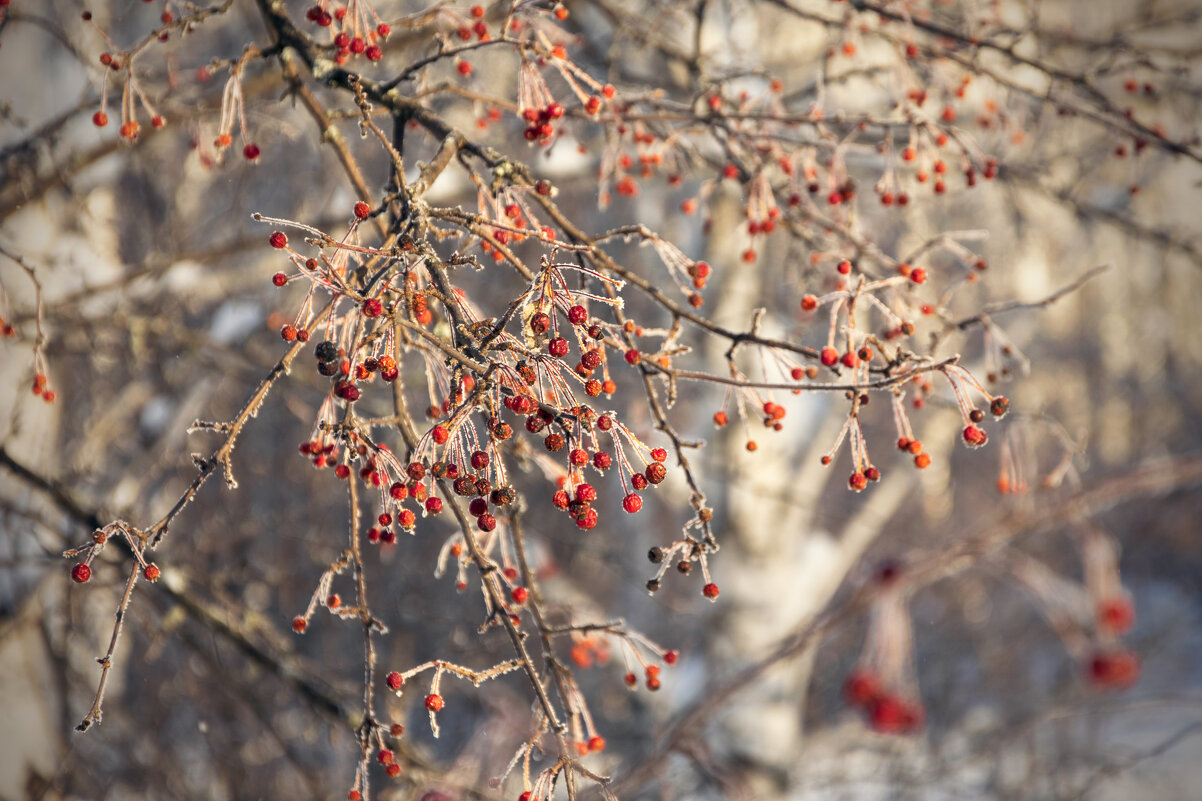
(157, 309)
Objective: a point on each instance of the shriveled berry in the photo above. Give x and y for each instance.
(81, 573)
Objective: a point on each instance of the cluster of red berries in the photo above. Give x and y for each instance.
(850, 358)
(479, 27)
(357, 45)
(578, 504)
(320, 455)
(651, 675)
(558, 346)
(40, 388)
(914, 448)
(463, 483)
(886, 712)
(539, 121)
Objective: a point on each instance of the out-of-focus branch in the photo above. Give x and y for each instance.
(1150, 480)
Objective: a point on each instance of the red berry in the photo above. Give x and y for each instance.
(519, 595)
(100, 119)
(1114, 669)
(975, 437)
(828, 356)
(394, 680)
(362, 210)
(151, 573)
(891, 715)
(299, 625)
(251, 151)
(81, 573)
(434, 702)
(1116, 615)
(278, 240)
(710, 590)
(577, 315)
(433, 505)
(632, 503)
(861, 688)
(279, 279)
